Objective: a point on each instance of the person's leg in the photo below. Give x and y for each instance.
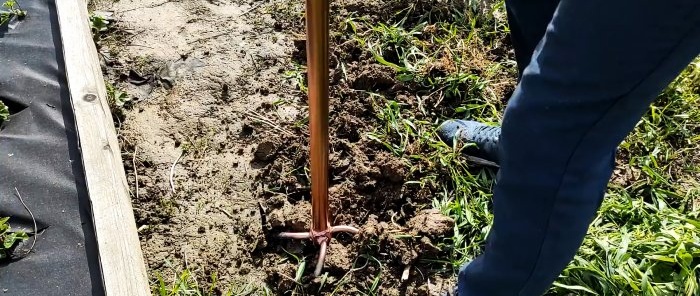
(528, 20)
(599, 66)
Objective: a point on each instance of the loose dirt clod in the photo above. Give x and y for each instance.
(265, 151)
(431, 223)
(374, 77)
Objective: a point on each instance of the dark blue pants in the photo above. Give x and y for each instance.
(589, 71)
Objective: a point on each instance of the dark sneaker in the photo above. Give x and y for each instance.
(484, 137)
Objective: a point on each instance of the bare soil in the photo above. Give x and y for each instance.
(213, 108)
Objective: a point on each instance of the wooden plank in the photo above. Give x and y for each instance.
(121, 259)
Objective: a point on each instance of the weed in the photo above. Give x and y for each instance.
(301, 268)
(4, 112)
(9, 239)
(106, 35)
(185, 283)
(362, 263)
(11, 10)
(116, 97)
(118, 100)
(297, 76)
(100, 24)
(635, 247)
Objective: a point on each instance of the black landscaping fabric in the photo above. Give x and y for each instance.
(39, 156)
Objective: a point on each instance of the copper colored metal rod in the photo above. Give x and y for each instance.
(344, 228)
(321, 258)
(296, 235)
(317, 69)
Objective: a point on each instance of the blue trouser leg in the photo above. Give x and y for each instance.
(593, 75)
(528, 20)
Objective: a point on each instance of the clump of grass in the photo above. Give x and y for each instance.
(444, 59)
(11, 9)
(9, 239)
(636, 247)
(465, 192)
(341, 286)
(186, 283)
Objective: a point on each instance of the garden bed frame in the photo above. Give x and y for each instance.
(121, 261)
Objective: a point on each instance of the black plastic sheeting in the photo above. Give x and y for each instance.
(39, 156)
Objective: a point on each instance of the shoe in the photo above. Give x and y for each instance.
(484, 137)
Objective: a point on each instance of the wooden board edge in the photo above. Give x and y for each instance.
(121, 260)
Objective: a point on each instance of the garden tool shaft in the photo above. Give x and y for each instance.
(317, 69)
(321, 231)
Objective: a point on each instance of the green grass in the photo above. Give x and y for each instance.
(186, 283)
(363, 264)
(465, 75)
(8, 238)
(646, 237)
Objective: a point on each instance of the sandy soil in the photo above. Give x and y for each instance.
(208, 63)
